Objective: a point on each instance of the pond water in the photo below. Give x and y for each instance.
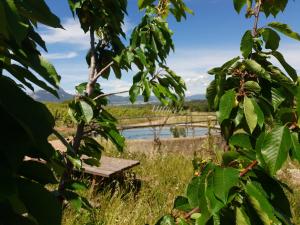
(148, 132)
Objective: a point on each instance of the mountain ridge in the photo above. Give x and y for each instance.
(44, 96)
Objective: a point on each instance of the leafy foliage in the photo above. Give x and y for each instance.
(26, 124)
(257, 108)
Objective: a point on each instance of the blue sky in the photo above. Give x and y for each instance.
(204, 40)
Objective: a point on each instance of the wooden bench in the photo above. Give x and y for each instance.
(109, 166)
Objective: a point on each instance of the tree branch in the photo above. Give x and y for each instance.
(96, 77)
(248, 168)
(109, 94)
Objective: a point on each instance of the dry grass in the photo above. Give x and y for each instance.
(162, 178)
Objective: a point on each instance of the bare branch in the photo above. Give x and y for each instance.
(248, 168)
(96, 77)
(109, 94)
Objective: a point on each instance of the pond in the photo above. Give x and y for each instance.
(166, 132)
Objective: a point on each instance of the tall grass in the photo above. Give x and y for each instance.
(162, 178)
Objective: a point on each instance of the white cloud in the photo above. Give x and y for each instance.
(72, 34)
(64, 55)
(193, 63)
(115, 85)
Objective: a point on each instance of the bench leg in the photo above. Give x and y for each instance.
(92, 186)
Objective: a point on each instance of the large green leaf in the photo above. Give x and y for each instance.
(271, 38)
(277, 98)
(17, 28)
(38, 11)
(275, 147)
(259, 113)
(256, 68)
(224, 179)
(182, 203)
(239, 4)
(226, 105)
(295, 150)
(32, 116)
(284, 29)
(241, 140)
(247, 44)
(22, 73)
(87, 111)
(143, 3)
(288, 68)
(252, 86)
(250, 114)
(242, 217)
(40, 203)
(261, 205)
(37, 171)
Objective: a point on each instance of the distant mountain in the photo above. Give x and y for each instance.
(44, 96)
(195, 97)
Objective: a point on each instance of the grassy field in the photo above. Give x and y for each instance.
(162, 178)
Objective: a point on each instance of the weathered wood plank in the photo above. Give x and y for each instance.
(109, 166)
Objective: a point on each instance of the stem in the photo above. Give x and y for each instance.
(95, 78)
(248, 168)
(80, 127)
(256, 15)
(190, 213)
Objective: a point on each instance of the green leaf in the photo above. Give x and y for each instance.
(32, 116)
(182, 203)
(271, 38)
(166, 220)
(37, 171)
(143, 3)
(40, 203)
(223, 180)
(226, 105)
(76, 186)
(134, 92)
(242, 217)
(284, 29)
(247, 43)
(252, 86)
(275, 147)
(17, 29)
(87, 111)
(277, 98)
(38, 11)
(288, 68)
(261, 205)
(229, 157)
(259, 113)
(45, 69)
(81, 88)
(256, 68)
(241, 140)
(295, 150)
(250, 114)
(92, 161)
(75, 162)
(238, 5)
(21, 74)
